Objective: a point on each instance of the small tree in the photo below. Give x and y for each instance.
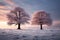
(41, 18)
(17, 16)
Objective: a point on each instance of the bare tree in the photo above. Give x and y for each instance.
(17, 16)
(41, 18)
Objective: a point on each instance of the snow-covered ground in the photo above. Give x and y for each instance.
(29, 34)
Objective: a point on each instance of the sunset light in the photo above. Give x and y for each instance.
(29, 19)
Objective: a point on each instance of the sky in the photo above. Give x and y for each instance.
(30, 6)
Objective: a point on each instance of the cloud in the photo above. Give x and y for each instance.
(10, 2)
(3, 8)
(56, 22)
(3, 11)
(3, 15)
(3, 18)
(2, 4)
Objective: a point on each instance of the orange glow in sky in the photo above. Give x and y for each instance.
(4, 25)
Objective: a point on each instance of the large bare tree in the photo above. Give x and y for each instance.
(17, 16)
(41, 18)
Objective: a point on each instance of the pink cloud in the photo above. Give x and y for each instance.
(9, 2)
(3, 18)
(56, 22)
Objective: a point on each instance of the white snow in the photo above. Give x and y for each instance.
(29, 34)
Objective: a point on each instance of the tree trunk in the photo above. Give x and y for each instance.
(19, 26)
(41, 26)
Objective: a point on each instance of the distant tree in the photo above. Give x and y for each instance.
(41, 18)
(17, 16)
